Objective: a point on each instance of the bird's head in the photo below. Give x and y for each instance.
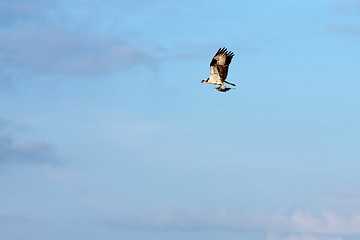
(205, 80)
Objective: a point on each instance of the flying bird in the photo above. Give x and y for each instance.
(219, 67)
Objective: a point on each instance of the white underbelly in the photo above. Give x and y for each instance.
(214, 79)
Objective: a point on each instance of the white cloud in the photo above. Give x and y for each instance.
(295, 225)
(299, 237)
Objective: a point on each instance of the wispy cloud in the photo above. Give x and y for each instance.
(299, 237)
(12, 218)
(31, 152)
(345, 29)
(294, 225)
(45, 38)
(19, 11)
(346, 9)
(58, 51)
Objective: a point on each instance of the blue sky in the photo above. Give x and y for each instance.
(107, 133)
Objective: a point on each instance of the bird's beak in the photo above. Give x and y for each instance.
(202, 81)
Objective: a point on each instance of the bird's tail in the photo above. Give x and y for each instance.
(232, 84)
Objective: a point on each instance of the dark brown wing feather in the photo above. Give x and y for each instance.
(229, 56)
(215, 60)
(218, 62)
(223, 70)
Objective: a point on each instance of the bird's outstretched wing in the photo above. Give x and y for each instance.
(220, 62)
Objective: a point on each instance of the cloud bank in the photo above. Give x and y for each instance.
(299, 237)
(294, 225)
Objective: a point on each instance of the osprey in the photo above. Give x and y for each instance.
(219, 69)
